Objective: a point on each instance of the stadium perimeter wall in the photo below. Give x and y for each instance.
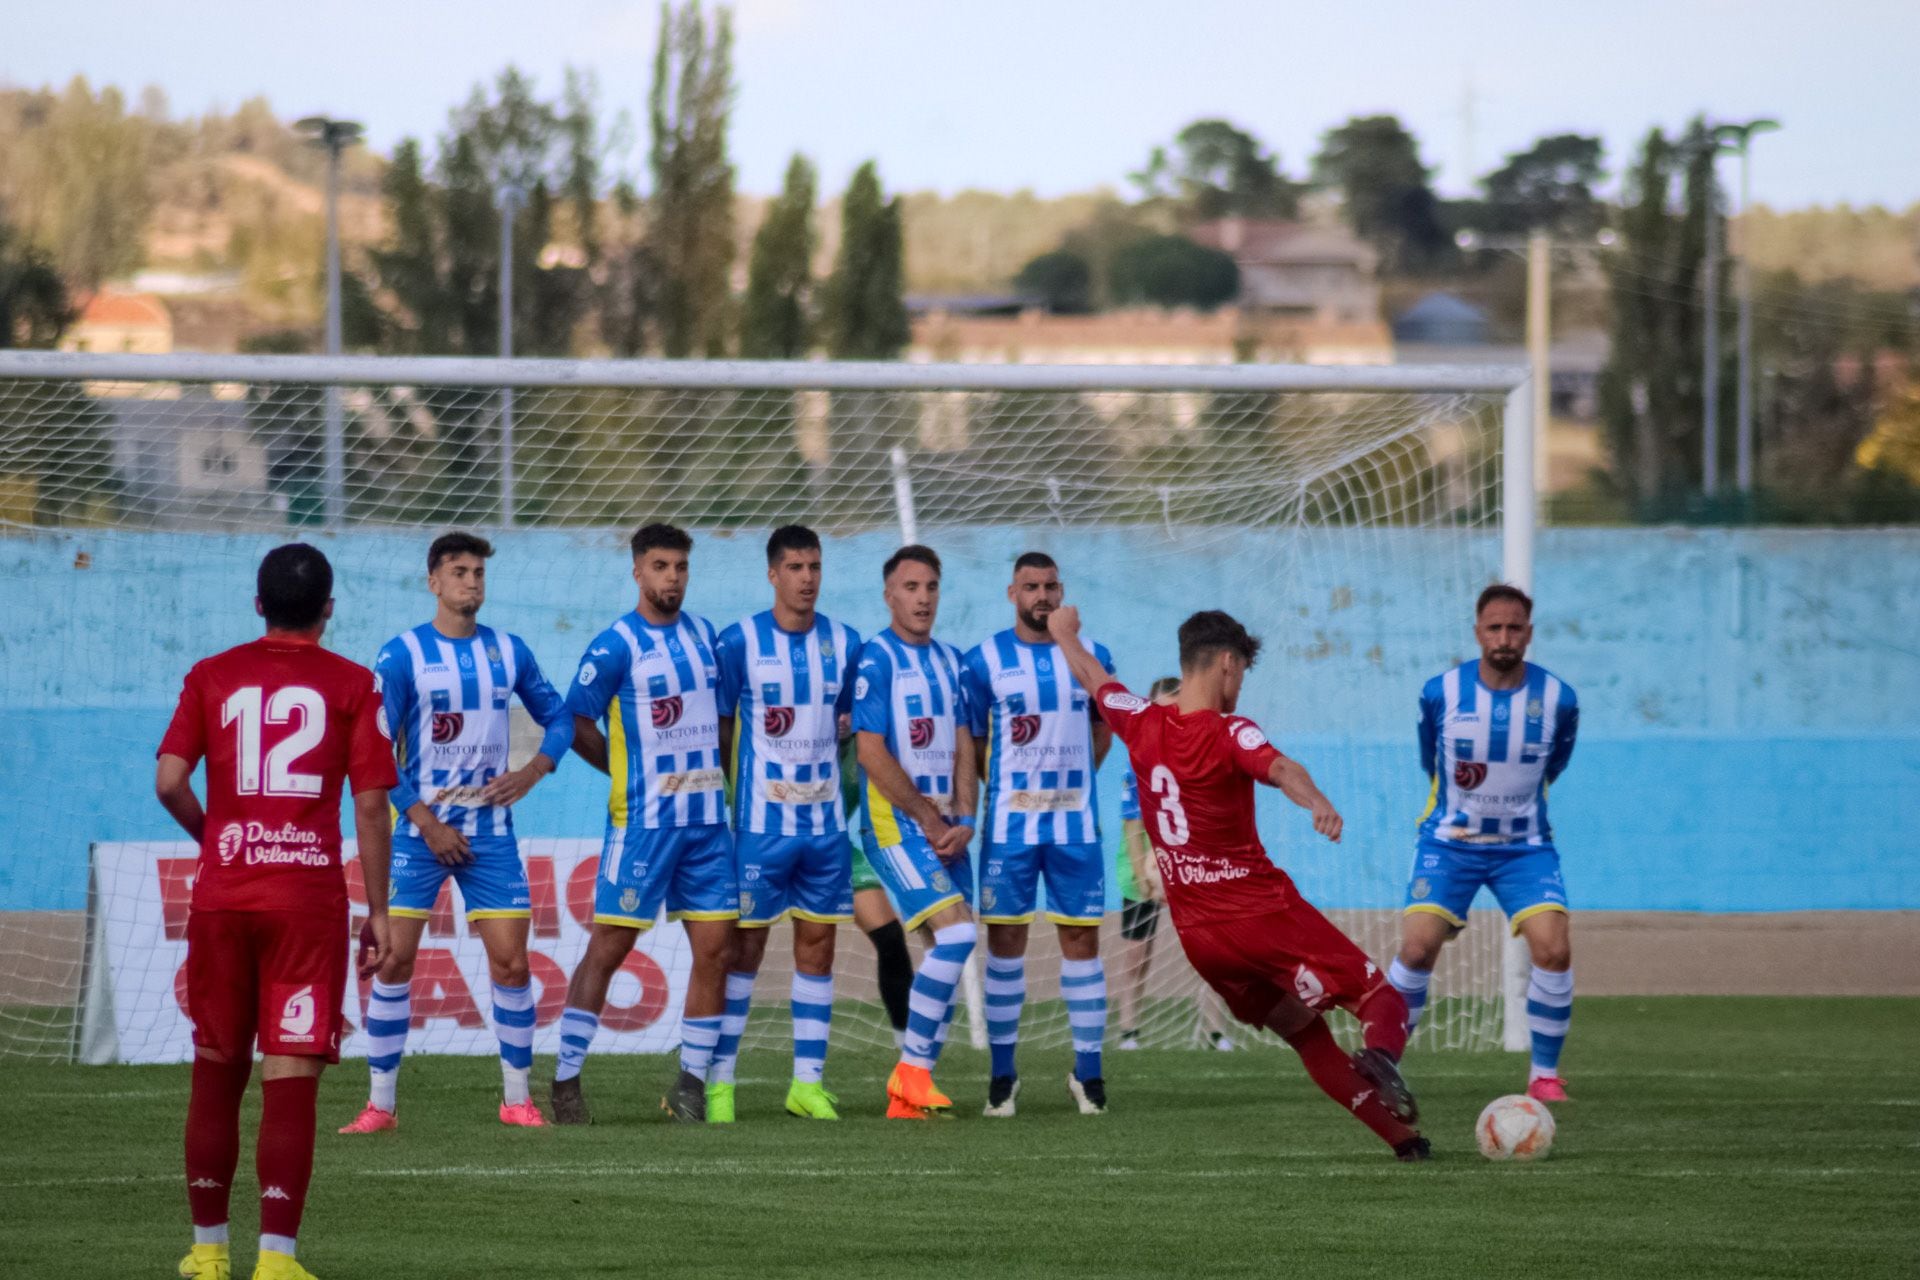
(1750, 732)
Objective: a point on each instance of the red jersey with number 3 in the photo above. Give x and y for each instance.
(282, 725)
(1196, 773)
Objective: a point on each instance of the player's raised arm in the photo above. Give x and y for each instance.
(1064, 626)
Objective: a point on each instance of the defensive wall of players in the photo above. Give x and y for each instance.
(1751, 699)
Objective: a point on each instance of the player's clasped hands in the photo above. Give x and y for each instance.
(952, 842)
(511, 786)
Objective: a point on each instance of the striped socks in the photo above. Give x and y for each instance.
(812, 1004)
(1006, 991)
(513, 1024)
(1412, 986)
(576, 1037)
(1549, 1014)
(389, 1012)
(930, 1000)
(733, 1025)
(1083, 984)
(698, 1038)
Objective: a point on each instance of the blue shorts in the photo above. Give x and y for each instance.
(492, 886)
(810, 877)
(1076, 883)
(1445, 878)
(690, 869)
(921, 882)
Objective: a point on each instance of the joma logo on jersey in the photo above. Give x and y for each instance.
(666, 712)
(1469, 774)
(920, 732)
(447, 726)
(1023, 729)
(777, 721)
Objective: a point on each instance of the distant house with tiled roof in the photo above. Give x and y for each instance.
(1299, 271)
(121, 323)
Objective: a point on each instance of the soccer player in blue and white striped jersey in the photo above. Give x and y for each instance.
(1494, 735)
(918, 791)
(1041, 741)
(651, 680)
(786, 681)
(445, 686)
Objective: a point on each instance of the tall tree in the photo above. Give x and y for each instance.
(866, 318)
(34, 306)
(78, 181)
(1374, 165)
(1549, 187)
(1216, 169)
(690, 213)
(774, 324)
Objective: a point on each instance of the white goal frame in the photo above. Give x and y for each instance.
(1519, 431)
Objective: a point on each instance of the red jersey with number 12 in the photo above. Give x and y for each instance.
(282, 724)
(1196, 775)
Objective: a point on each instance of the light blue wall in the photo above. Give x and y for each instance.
(1750, 700)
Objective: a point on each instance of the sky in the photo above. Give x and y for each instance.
(1068, 95)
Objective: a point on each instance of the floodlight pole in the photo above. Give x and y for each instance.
(335, 136)
(510, 198)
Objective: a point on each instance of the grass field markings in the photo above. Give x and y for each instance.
(108, 1095)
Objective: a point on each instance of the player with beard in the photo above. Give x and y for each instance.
(650, 679)
(1040, 742)
(1494, 735)
(1276, 961)
(445, 685)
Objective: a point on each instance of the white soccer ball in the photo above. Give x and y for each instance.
(1514, 1128)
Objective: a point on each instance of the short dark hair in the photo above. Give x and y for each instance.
(1165, 685)
(791, 537)
(294, 584)
(1503, 591)
(1208, 632)
(914, 552)
(660, 536)
(448, 545)
(1034, 560)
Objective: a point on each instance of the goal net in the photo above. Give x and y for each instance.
(1347, 516)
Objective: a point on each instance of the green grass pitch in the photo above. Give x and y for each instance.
(1722, 1137)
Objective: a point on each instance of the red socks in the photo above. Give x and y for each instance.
(1383, 1020)
(213, 1137)
(284, 1158)
(1333, 1071)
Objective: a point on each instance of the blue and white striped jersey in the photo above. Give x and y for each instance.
(656, 687)
(910, 694)
(1491, 754)
(1130, 798)
(1038, 725)
(787, 692)
(446, 701)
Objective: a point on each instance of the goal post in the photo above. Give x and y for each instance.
(1347, 513)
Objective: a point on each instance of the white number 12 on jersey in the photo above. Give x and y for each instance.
(245, 706)
(1173, 818)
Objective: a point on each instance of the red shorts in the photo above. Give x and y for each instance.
(1257, 962)
(279, 974)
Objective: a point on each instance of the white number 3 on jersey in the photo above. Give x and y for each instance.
(1172, 817)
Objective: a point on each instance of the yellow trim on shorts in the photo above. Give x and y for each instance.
(1533, 911)
(768, 923)
(504, 913)
(1434, 909)
(814, 917)
(1025, 919)
(915, 922)
(1090, 921)
(703, 915)
(623, 922)
(411, 913)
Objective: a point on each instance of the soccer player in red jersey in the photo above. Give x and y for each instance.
(1276, 961)
(282, 725)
